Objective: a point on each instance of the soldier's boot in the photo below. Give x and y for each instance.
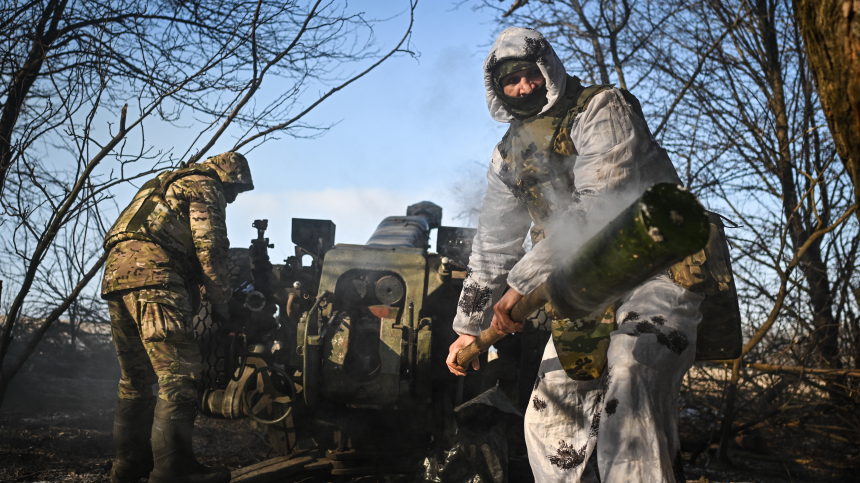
(174, 460)
(132, 426)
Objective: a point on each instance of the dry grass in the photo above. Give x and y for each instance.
(57, 420)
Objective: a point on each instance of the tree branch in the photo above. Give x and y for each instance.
(286, 124)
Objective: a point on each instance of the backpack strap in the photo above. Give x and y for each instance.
(157, 195)
(563, 143)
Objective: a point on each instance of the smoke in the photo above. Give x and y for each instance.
(61, 377)
(618, 161)
(567, 231)
(589, 213)
(467, 193)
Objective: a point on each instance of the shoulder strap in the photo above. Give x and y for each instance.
(633, 102)
(563, 143)
(181, 173)
(586, 95)
(157, 195)
(636, 106)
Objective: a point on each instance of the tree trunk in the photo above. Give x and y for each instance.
(831, 34)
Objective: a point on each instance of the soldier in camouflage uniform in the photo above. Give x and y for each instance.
(574, 156)
(168, 248)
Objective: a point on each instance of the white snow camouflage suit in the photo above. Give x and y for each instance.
(628, 415)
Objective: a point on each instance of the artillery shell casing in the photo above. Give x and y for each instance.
(665, 225)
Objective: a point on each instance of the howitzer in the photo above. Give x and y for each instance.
(661, 228)
(339, 352)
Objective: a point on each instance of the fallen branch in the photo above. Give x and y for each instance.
(831, 428)
(804, 370)
(827, 434)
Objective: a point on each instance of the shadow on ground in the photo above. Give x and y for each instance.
(56, 425)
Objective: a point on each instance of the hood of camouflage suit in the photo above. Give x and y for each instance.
(523, 44)
(233, 169)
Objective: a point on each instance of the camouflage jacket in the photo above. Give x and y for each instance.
(195, 250)
(608, 159)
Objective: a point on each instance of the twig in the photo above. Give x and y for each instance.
(832, 436)
(697, 71)
(53, 316)
(413, 4)
(804, 370)
(515, 6)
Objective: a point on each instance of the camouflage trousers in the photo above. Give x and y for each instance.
(154, 339)
(628, 415)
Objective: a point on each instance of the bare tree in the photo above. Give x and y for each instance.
(69, 68)
(761, 103)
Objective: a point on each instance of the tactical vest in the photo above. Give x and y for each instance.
(150, 218)
(539, 155)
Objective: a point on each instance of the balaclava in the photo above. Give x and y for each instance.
(514, 48)
(521, 107)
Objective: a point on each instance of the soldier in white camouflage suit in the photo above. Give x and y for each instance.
(572, 158)
(167, 248)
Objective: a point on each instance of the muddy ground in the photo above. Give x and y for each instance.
(56, 425)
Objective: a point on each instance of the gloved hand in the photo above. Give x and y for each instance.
(221, 313)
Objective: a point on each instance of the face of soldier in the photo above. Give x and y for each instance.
(522, 83)
(230, 193)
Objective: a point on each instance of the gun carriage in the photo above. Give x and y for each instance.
(340, 351)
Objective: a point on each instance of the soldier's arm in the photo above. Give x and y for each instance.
(502, 226)
(618, 158)
(207, 209)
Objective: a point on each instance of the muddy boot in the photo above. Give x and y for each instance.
(171, 447)
(132, 426)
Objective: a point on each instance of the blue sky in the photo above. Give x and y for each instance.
(407, 132)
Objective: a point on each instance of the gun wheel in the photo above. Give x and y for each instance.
(267, 397)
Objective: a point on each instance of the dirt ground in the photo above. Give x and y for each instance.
(56, 425)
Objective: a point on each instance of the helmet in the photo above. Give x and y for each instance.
(233, 170)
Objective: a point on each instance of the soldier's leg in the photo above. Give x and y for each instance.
(559, 421)
(166, 317)
(137, 376)
(649, 354)
(135, 403)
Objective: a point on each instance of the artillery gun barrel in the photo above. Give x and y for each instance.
(665, 225)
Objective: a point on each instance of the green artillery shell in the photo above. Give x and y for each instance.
(665, 225)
